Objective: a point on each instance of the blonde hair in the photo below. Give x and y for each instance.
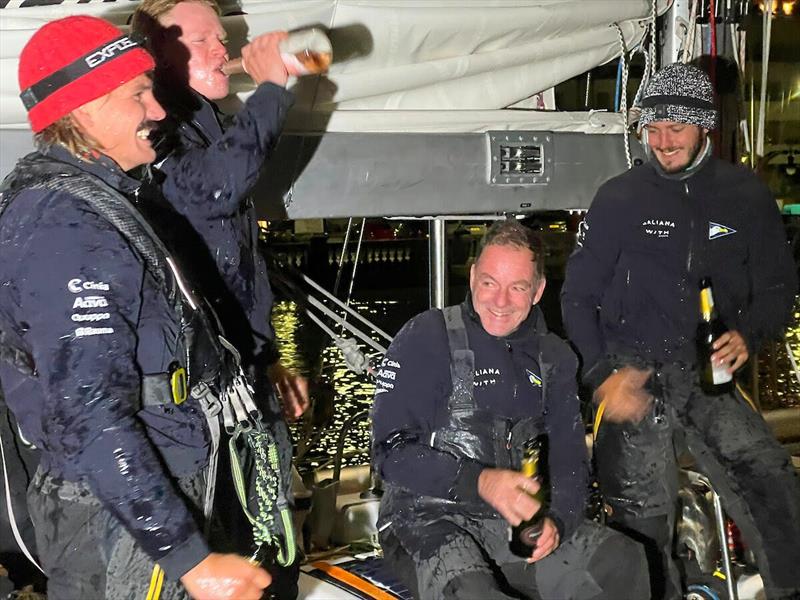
(145, 20)
(67, 133)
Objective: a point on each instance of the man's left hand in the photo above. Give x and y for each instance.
(731, 350)
(292, 390)
(547, 542)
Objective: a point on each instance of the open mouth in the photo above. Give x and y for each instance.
(143, 133)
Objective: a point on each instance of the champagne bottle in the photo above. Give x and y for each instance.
(714, 379)
(304, 52)
(522, 539)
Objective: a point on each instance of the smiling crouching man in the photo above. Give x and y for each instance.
(459, 396)
(104, 350)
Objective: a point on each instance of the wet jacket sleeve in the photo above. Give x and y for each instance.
(217, 179)
(589, 270)
(412, 387)
(567, 455)
(86, 359)
(773, 274)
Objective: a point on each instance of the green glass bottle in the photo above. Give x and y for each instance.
(714, 379)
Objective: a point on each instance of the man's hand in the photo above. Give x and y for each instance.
(509, 493)
(261, 59)
(226, 577)
(624, 395)
(730, 349)
(547, 542)
(292, 390)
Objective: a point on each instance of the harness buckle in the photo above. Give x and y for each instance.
(178, 385)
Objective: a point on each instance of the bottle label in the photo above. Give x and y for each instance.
(720, 375)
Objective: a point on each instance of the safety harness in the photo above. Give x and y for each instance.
(223, 393)
(472, 432)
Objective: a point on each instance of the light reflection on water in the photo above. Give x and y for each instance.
(778, 381)
(306, 349)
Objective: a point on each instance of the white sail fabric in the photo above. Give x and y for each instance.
(396, 55)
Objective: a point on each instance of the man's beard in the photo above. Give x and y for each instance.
(693, 154)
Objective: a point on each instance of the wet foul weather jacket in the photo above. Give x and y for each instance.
(207, 170)
(78, 301)
(631, 297)
(452, 400)
(527, 376)
(646, 242)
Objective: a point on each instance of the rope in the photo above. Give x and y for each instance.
(156, 582)
(691, 34)
(623, 103)
(598, 418)
(355, 266)
(762, 109)
(11, 519)
(651, 54)
(267, 485)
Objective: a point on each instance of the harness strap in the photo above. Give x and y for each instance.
(462, 361)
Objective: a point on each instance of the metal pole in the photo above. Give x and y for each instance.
(723, 541)
(437, 264)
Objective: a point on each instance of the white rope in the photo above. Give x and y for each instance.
(12, 521)
(793, 362)
(762, 109)
(342, 305)
(345, 325)
(623, 95)
(691, 34)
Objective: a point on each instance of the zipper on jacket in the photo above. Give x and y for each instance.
(690, 254)
(513, 367)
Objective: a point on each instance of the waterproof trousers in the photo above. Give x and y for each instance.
(443, 560)
(85, 550)
(732, 446)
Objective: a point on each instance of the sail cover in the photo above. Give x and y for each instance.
(395, 55)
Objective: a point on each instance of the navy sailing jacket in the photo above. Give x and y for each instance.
(631, 287)
(80, 299)
(411, 402)
(208, 172)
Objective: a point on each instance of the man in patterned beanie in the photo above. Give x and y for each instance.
(630, 306)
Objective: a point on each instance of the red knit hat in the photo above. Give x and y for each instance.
(72, 61)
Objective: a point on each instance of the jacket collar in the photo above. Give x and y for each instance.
(699, 164)
(102, 167)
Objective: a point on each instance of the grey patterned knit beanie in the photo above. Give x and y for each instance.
(679, 93)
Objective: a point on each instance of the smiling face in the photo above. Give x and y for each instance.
(120, 122)
(675, 145)
(504, 287)
(202, 35)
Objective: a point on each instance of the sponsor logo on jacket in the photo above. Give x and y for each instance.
(535, 380)
(717, 230)
(660, 228)
(386, 375)
(486, 376)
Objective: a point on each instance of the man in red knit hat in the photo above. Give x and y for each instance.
(102, 354)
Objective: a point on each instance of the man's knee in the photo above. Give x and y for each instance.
(619, 552)
(474, 585)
